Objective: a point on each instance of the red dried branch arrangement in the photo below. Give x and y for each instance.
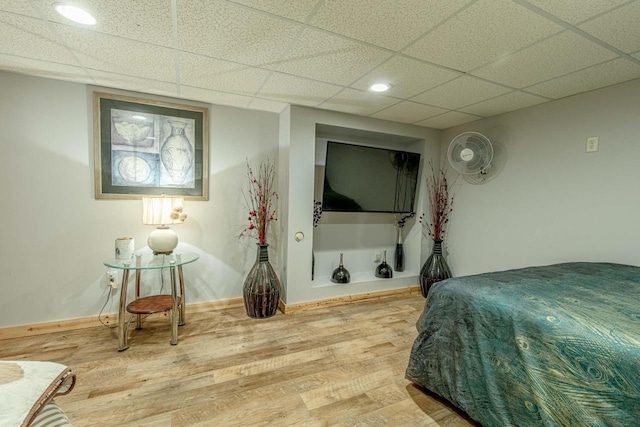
(440, 205)
(261, 201)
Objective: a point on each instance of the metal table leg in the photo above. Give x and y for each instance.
(122, 313)
(174, 310)
(138, 316)
(183, 300)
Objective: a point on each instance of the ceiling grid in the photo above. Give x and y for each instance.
(448, 63)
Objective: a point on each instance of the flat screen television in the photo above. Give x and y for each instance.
(358, 178)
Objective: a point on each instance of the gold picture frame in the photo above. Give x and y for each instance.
(146, 147)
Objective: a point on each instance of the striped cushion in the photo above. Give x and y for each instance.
(51, 416)
(27, 386)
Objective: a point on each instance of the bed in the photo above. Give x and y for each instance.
(555, 345)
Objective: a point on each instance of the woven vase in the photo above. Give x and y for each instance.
(262, 288)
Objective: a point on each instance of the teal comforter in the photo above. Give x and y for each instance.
(543, 346)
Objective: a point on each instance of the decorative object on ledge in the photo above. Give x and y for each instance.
(399, 254)
(162, 211)
(384, 270)
(435, 267)
(262, 288)
(317, 214)
(341, 274)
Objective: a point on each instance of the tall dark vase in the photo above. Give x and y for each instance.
(399, 254)
(261, 290)
(434, 269)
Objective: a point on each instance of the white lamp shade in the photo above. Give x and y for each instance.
(161, 210)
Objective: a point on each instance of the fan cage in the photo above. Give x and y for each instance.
(481, 147)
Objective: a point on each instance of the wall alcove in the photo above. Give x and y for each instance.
(303, 133)
(363, 237)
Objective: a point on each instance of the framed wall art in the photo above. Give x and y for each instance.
(146, 147)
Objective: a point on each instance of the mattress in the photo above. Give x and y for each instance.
(553, 345)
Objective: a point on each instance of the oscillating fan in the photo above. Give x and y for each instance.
(471, 154)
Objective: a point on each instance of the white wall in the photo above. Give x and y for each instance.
(283, 194)
(553, 202)
(56, 234)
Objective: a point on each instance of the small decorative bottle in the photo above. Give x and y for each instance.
(399, 255)
(384, 270)
(340, 274)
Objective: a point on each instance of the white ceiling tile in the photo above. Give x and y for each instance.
(541, 62)
(447, 120)
(51, 70)
(121, 81)
(406, 76)
(297, 10)
(482, 33)
(216, 74)
(575, 11)
(214, 97)
(232, 32)
(620, 28)
(267, 54)
(503, 104)
(390, 24)
(323, 56)
(103, 52)
(267, 105)
(408, 112)
(20, 7)
(31, 38)
(462, 91)
(297, 90)
(143, 20)
(609, 73)
(357, 102)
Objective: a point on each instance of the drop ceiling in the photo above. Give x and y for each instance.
(448, 61)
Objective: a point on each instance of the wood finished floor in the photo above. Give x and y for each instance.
(336, 366)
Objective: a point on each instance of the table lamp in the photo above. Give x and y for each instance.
(162, 211)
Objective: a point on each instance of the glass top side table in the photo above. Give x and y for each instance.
(173, 303)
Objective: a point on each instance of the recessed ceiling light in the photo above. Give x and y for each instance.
(74, 13)
(380, 87)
